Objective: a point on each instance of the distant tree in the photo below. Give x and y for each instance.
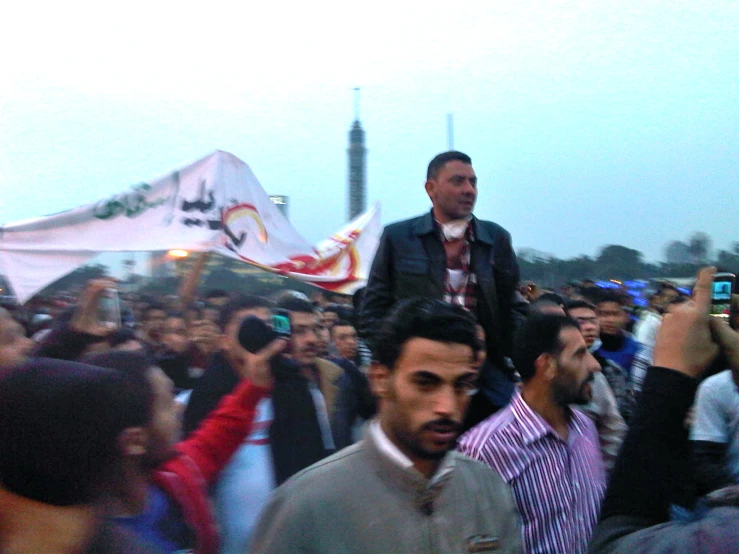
(728, 260)
(616, 261)
(699, 246)
(77, 279)
(677, 252)
(532, 255)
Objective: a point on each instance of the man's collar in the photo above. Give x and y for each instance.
(426, 224)
(388, 449)
(595, 346)
(533, 426)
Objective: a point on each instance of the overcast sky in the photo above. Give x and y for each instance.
(588, 122)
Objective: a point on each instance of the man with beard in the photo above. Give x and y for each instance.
(547, 452)
(403, 488)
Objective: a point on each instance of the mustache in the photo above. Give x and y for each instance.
(443, 425)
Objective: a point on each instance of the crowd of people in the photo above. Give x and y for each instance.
(445, 408)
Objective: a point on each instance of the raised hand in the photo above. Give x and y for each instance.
(684, 339)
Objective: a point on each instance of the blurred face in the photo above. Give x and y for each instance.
(165, 427)
(612, 318)
(154, 323)
(453, 192)
(211, 314)
(424, 398)
(205, 335)
(305, 340)
(329, 319)
(15, 347)
(174, 335)
(666, 297)
(345, 339)
(575, 369)
(589, 325)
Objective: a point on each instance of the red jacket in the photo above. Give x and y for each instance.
(185, 478)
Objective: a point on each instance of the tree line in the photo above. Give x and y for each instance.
(682, 259)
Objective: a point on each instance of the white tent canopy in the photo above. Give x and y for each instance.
(215, 204)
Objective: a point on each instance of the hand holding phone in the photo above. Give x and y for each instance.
(723, 287)
(88, 317)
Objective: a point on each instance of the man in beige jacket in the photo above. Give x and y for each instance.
(403, 488)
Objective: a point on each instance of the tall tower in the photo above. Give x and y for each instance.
(357, 165)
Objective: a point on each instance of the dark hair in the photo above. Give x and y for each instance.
(597, 295)
(551, 297)
(358, 298)
(424, 318)
(136, 387)
(540, 306)
(216, 293)
(120, 336)
(293, 303)
(59, 428)
(245, 302)
(538, 334)
(575, 304)
(152, 306)
(442, 159)
(341, 323)
(334, 308)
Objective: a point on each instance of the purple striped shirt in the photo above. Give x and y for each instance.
(558, 485)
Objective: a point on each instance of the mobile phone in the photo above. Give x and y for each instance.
(723, 287)
(281, 323)
(109, 309)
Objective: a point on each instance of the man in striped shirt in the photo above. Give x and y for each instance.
(547, 452)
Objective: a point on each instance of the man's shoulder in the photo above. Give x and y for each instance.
(479, 471)
(718, 381)
(586, 424)
(326, 474)
(492, 227)
(719, 386)
(404, 226)
(495, 431)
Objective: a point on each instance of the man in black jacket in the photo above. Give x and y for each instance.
(451, 255)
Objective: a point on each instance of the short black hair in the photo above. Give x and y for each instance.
(425, 318)
(442, 159)
(538, 334)
(551, 297)
(575, 304)
(245, 302)
(342, 323)
(216, 293)
(59, 428)
(134, 366)
(598, 295)
(293, 303)
(540, 306)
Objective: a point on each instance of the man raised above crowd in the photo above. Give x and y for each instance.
(402, 489)
(451, 255)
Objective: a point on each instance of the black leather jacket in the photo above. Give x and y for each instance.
(410, 261)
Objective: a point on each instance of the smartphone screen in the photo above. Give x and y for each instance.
(281, 323)
(723, 287)
(723, 284)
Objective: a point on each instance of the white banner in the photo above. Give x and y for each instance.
(214, 204)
